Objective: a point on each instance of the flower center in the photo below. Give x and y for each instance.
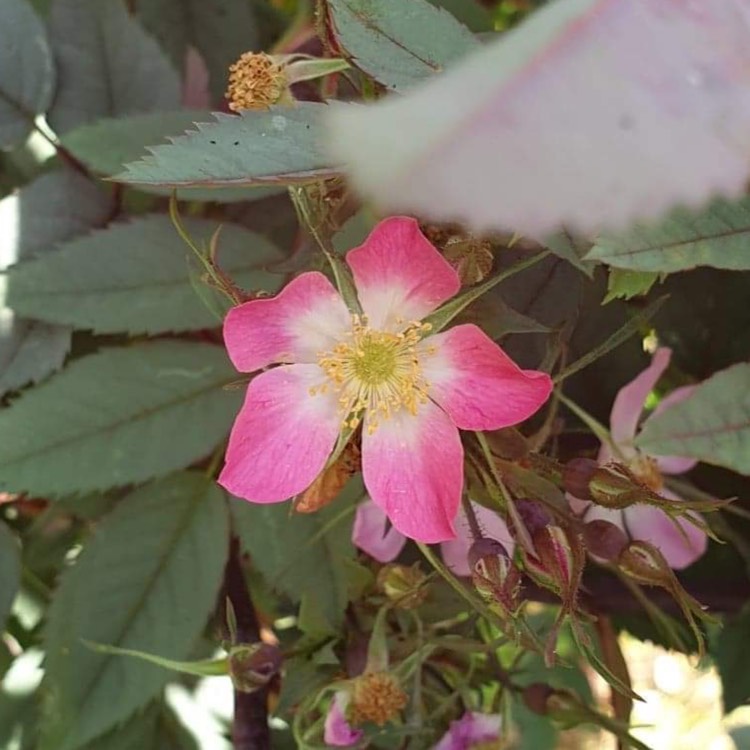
(376, 373)
(647, 470)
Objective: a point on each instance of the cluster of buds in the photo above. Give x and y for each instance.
(253, 665)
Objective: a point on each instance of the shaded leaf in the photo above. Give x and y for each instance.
(107, 65)
(141, 280)
(285, 547)
(481, 144)
(23, 47)
(155, 596)
(622, 284)
(571, 249)
(221, 30)
(10, 571)
(469, 12)
(117, 417)
(398, 44)
(277, 146)
(713, 425)
(717, 236)
(729, 651)
(56, 206)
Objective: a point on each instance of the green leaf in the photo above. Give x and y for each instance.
(287, 546)
(270, 147)
(117, 417)
(56, 206)
(107, 65)
(398, 44)
(716, 236)
(10, 571)
(623, 284)
(221, 30)
(713, 425)
(730, 655)
(107, 145)
(571, 249)
(154, 596)
(469, 12)
(141, 281)
(27, 72)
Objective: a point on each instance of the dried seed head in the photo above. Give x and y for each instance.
(256, 81)
(376, 697)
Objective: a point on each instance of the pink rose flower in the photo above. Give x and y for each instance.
(372, 535)
(411, 390)
(643, 522)
(337, 731)
(472, 730)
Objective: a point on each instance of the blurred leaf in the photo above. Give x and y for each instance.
(140, 281)
(623, 284)
(108, 144)
(571, 249)
(730, 655)
(107, 65)
(117, 417)
(398, 44)
(534, 732)
(469, 12)
(286, 547)
(716, 236)
(713, 425)
(55, 207)
(277, 146)
(480, 144)
(27, 71)
(10, 571)
(221, 30)
(154, 596)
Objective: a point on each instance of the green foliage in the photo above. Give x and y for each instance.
(154, 596)
(729, 651)
(117, 417)
(142, 280)
(278, 146)
(23, 46)
(10, 570)
(713, 425)
(624, 284)
(716, 236)
(398, 44)
(125, 71)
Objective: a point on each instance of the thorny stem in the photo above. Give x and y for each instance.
(471, 517)
(250, 729)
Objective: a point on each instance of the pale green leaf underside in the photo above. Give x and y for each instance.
(154, 596)
(399, 43)
(116, 417)
(713, 425)
(141, 280)
(717, 236)
(10, 570)
(277, 146)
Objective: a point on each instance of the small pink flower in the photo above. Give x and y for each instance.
(337, 731)
(643, 522)
(472, 730)
(373, 536)
(411, 390)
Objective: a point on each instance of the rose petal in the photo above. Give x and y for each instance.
(456, 552)
(628, 405)
(649, 524)
(337, 730)
(399, 275)
(470, 730)
(413, 469)
(305, 318)
(674, 464)
(479, 386)
(372, 535)
(282, 436)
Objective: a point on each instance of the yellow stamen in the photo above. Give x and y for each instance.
(256, 81)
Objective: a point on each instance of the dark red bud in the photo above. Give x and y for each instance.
(536, 695)
(576, 477)
(533, 514)
(604, 540)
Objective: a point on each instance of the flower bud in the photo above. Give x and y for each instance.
(577, 474)
(377, 697)
(494, 575)
(403, 585)
(645, 564)
(536, 695)
(615, 486)
(603, 539)
(533, 514)
(251, 666)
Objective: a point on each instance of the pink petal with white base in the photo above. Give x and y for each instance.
(282, 436)
(413, 469)
(650, 524)
(337, 731)
(479, 385)
(456, 552)
(305, 318)
(674, 464)
(630, 399)
(471, 730)
(399, 275)
(373, 535)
